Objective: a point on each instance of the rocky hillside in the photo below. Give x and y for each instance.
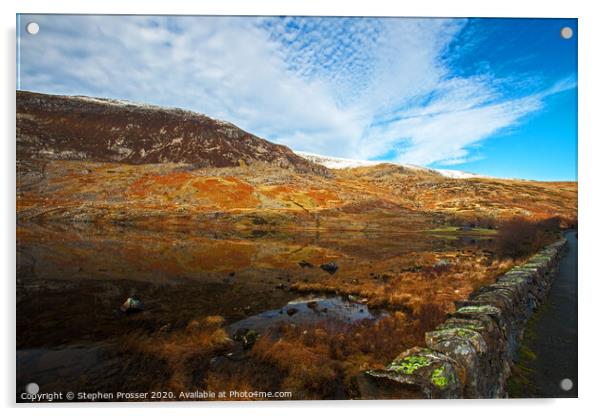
(86, 159)
(52, 127)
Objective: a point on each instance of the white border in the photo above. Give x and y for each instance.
(590, 290)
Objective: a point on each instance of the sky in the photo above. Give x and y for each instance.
(495, 97)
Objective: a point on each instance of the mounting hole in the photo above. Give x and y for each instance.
(32, 28)
(32, 388)
(566, 384)
(566, 32)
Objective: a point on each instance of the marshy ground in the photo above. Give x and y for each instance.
(227, 263)
(245, 311)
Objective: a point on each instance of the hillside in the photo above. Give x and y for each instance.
(91, 129)
(82, 159)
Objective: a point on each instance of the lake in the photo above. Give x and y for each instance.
(231, 288)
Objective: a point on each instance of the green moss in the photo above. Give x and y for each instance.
(410, 364)
(461, 332)
(473, 325)
(438, 378)
(479, 309)
(469, 334)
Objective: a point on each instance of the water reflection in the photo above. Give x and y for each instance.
(72, 279)
(309, 310)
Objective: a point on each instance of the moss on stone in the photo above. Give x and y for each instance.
(438, 378)
(410, 364)
(476, 326)
(479, 309)
(456, 332)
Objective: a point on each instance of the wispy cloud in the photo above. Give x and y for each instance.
(348, 87)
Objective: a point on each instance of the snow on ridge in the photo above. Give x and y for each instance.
(127, 103)
(458, 174)
(341, 163)
(336, 162)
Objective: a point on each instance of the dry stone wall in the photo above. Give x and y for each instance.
(471, 354)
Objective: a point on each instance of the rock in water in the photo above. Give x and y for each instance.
(330, 267)
(132, 305)
(249, 339)
(246, 336)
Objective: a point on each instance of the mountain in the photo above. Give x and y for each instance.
(83, 159)
(342, 163)
(93, 129)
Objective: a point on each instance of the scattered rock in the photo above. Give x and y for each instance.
(132, 305)
(312, 304)
(246, 336)
(330, 267)
(304, 264)
(292, 311)
(239, 334)
(442, 263)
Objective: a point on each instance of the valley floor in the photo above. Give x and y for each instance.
(227, 263)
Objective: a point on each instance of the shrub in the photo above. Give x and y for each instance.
(519, 237)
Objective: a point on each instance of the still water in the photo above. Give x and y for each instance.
(72, 280)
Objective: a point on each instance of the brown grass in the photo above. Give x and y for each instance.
(198, 341)
(318, 359)
(418, 280)
(390, 196)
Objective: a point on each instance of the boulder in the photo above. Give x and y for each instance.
(132, 305)
(416, 373)
(330, 267)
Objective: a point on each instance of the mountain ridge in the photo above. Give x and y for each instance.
(82, 159)
(332, 162)
(104, 130)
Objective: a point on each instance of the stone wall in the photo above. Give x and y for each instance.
(471, 354)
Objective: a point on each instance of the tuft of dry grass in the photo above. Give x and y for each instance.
(200, 340)
(310, 369)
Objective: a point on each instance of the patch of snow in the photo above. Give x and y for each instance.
(341, 163)
(458, 174)
(336, 162)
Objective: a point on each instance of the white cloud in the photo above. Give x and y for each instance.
(358, 88)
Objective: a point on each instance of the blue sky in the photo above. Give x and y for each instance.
(491, 96)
